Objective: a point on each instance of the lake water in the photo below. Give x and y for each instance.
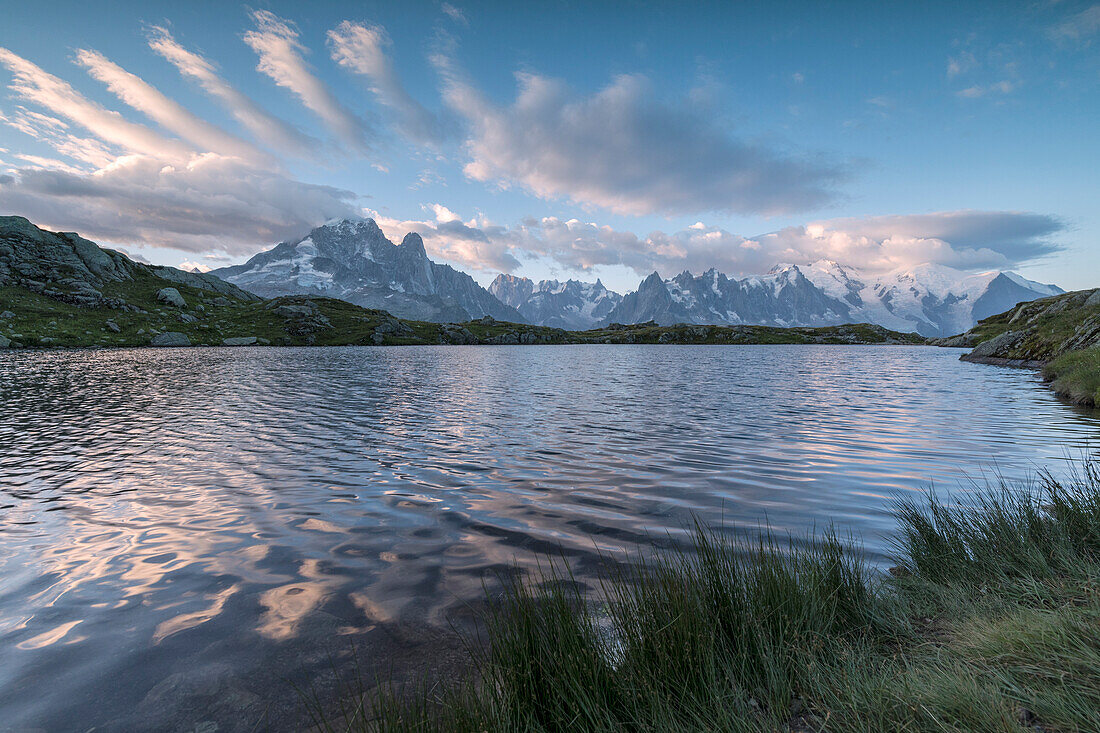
(188, 535)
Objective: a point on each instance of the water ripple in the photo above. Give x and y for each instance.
(162, 512)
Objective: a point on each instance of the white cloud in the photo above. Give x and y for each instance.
(139, 187)
(362, 49)
(46, 90)
(264, 126)
(169, 114)
(191, 266)
(211, 202)
(624, 150)
(961, 239)
(275, 41)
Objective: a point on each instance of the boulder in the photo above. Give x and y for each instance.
(187, 318)
(1091, 301)
(171, 338)
(172, 297)
(295, 311)
(239, 341)
(7, 314)
(5, 342)
(112, 326)
(990, 348)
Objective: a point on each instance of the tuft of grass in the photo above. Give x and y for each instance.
(990, 622)
(1076, 376)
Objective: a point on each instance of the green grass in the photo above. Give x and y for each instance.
(992, 623)
(1076, 376)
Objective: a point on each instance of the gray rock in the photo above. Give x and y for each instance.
(7, 314)
(377, 338)
(111, 325)
(295, 311)
(5, 342)
(171, 338)
(239, 341)
(990, 348)
(187, 318)
(1092, 301)
(171, 296)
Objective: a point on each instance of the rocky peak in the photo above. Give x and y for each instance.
(413, 245)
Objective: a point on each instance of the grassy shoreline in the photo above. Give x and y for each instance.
(989, 622)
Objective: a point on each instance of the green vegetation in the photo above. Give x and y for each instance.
(990, 622)
(1076, 376)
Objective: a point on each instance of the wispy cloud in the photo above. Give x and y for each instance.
(264, 126)
(169, 114)
(973, 92)
(455, 14)
(626, 151)
(362, 49)
(1080, 25)
(275, 41)
(218, 193)
(46, 90)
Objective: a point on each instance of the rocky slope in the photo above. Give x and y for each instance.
(352, 260)
(931, 300)
(1059, 334)
(571, 304)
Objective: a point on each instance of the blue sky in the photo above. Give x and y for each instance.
(571, 139)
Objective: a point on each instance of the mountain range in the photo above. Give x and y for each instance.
(932, 300)
(571, 304)
(351, 259)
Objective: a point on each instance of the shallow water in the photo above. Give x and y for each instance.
(185, 535)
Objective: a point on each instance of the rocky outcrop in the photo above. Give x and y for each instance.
(1034, 333)
(69, 268)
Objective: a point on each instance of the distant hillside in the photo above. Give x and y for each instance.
(1060, 335)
